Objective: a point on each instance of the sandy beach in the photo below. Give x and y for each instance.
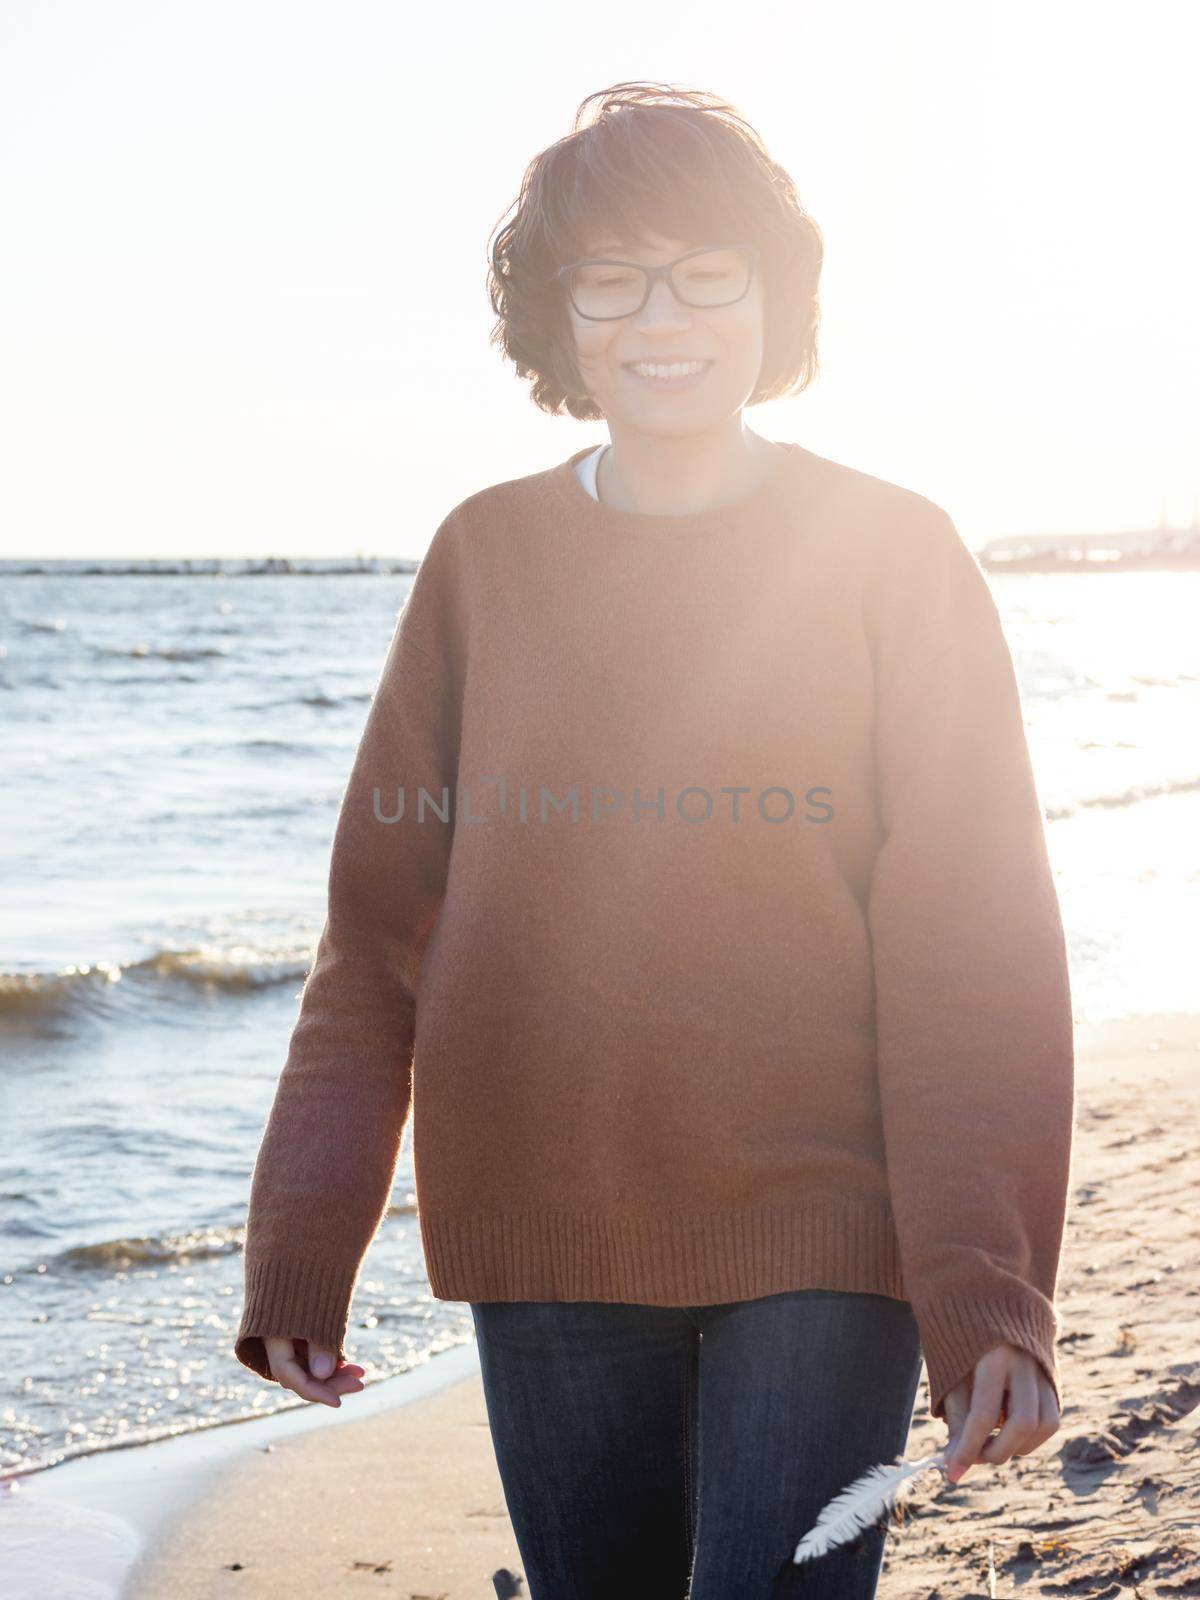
(407, 1500)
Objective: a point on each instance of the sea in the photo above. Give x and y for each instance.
(175, 747)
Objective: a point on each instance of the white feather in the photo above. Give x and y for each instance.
(861, 1504)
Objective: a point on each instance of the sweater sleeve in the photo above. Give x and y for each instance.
(327, 1160)
(974, 1020)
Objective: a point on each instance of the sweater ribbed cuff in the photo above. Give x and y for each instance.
(956, 1329)
(293, 1298)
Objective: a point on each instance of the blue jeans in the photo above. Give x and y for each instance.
(645, 1447)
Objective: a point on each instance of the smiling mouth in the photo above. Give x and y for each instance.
(675, 363)
(667, 372)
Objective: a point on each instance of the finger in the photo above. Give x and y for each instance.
(278, 1351)
(325, 1366)
(957, 1405)
(321, 1361)
(987, 1396)
(292, 1375)
(1020, 1431)
(1048, 1413)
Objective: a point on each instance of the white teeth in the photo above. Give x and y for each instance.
(677, 369)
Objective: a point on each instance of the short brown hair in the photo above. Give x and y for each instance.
(684, 163)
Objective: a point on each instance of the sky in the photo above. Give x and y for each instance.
(243, 305)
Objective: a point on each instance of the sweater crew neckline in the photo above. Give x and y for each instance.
(563, 482)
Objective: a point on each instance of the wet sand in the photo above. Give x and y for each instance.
(406, 1503)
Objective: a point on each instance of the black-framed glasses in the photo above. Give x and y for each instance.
(711, 275)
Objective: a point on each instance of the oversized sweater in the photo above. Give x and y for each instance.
(690, 888)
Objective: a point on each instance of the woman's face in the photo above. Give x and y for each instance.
(665, 330)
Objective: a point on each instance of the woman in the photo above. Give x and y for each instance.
(691, 884)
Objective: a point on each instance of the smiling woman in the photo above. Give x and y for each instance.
(718, 1129)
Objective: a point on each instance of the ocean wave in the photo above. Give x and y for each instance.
(179, 677)
(318, 699)
(1132, 796)
(171, 653)
(240, 967)
(116, 1255)
(294, 747)
(236, 968)
(234, 816)
(196, 1244)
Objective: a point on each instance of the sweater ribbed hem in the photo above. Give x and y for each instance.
(959, 1327)
(668, 1258)
(293, 1298)
(712, 1258)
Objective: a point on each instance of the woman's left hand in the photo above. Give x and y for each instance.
(977, 1405)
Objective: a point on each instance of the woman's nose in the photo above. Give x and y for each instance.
(662, 306)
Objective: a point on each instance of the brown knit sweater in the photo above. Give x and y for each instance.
(721, 955)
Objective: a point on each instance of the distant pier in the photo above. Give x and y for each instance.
(1144, 550)
(213, 567)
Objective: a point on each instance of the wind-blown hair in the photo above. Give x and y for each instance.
(651, 157)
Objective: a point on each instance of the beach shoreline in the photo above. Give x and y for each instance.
(85, 1527)
(400, 1483)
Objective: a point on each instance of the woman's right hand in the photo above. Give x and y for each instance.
(317, 1379)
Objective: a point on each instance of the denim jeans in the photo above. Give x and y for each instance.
(642, 1448)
